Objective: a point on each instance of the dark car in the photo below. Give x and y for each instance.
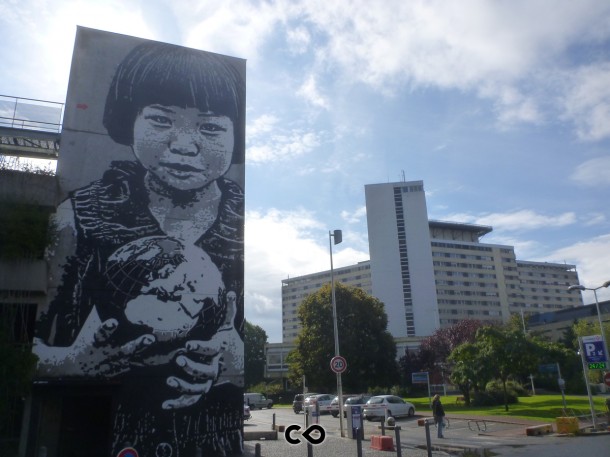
(297, 403)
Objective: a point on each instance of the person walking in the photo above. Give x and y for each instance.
(439, 414)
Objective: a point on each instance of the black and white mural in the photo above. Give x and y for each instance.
(146, 287)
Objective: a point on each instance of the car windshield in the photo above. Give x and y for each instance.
(375, 400)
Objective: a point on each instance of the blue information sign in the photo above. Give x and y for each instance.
(594, 349)
(419, 378)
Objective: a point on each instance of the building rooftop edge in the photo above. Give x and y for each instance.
(479, 229)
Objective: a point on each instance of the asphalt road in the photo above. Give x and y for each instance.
(503, 438)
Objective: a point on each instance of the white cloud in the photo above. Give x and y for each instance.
(279, 245)
(515, 54)
(310, 92)
(517, 220)
(355, 216)
(261, 125)
(594, 172)
(299, 39)
(283, 146)
(238, 28)
(41, 35)
(591, 258)
(587, 101)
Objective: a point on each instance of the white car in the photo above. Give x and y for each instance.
(382, 406)
(322, 400)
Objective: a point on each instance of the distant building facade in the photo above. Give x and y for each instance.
(294, 291)
(554, 324)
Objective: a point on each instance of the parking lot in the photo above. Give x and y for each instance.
(503, 437)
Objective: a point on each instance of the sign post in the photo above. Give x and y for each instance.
(583, 357)
(422, 378)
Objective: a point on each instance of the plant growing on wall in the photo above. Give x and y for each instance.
(24, 230)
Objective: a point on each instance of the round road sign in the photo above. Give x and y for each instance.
(607, 378)
(338, 364)
(128, 452)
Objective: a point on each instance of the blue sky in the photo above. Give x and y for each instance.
(502, 108)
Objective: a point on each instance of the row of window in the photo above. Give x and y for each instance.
(467, 293)
(471, 312)
(469, 302)
(468, 266)
(453, 255)
(465, 274)
(470, 247)
(442, 282)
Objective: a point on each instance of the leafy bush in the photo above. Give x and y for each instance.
(514, 388)
(491, 398)
(399, 391)
(494, 394)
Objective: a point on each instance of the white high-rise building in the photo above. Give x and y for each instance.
(401, 260)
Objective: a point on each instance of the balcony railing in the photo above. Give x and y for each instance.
(30, 114)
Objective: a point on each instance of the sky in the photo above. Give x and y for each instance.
(501, 107)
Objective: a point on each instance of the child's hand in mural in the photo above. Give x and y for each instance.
(92, 353)
(217, 360)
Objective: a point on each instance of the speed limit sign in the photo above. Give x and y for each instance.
(338, 364)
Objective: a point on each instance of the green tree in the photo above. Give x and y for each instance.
(470, 372)
(364, 341)
(435, 349)
(255, 339)
(508, 353)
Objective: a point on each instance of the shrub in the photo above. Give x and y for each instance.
(399, 391)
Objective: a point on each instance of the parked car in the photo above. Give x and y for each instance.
(356, 400)
(247, 414)
(256, 400)
(333, 408)
(297, 403)
(382, 406)
(322, 400)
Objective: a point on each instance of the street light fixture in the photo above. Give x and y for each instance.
(337, 235)
(599, 314)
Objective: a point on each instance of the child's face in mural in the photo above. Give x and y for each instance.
(183, 147)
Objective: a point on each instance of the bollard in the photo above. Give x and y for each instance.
(359, 442)
(383, 427)
(309, 450)
(428, 442)
(273, 422)
(198, 452)
(257, 450)
(398, 449)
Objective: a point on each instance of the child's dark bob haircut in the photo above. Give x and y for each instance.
(165, 74)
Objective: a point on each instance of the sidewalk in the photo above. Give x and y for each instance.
(334, 446)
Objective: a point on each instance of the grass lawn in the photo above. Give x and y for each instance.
(538, 407)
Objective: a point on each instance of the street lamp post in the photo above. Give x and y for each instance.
(599, 314)
(337, 235)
